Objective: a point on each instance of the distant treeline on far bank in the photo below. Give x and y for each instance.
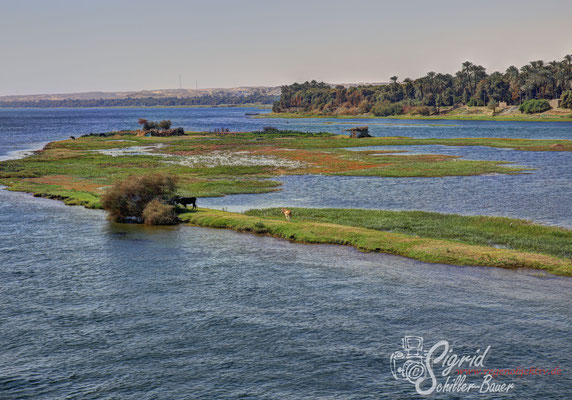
(203, 100)
(471, 86)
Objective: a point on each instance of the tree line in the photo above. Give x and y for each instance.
(470, 86)
(204, 100)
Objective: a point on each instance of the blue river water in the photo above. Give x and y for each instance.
(95, 310)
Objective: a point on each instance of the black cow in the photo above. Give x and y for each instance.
(184, 201)
(72, 137)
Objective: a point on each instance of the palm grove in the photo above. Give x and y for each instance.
(528, 87)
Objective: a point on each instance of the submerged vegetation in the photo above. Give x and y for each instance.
(307, 226)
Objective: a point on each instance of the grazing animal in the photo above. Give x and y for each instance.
(184, 201)
(72, 137)
(287, 213)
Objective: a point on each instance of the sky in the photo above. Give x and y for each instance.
(65, 46)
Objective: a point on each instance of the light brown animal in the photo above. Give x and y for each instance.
(287, 213)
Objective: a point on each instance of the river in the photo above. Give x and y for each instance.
(95, 310)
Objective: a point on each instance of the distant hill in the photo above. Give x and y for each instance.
(160, 93)
(143, 98)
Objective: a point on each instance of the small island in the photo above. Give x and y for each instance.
(87, 169)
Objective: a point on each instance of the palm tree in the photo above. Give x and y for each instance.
(553, 67)
(568, 71)
(535, 79)
(478, 72)
(466, 71)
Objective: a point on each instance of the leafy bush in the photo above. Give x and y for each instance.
(566, 99)
(269, 129)
(164, 133)
(157, 213)
(424, 111)
(364, 107)
(165, 124)
(127, 199)
(534, 106)
(148, 125)
(385, 110)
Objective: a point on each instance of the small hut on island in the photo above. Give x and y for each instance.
(359, 132)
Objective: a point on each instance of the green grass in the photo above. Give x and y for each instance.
(73, 170)
(423, 248)
(479, 230)
(68, 196)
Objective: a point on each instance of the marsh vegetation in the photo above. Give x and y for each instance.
(395, 233)
(133, 177)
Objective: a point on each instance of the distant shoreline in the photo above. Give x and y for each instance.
(249, 105)
(454, 117)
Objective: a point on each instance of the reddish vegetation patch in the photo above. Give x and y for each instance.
(68, 182)
(557, 147)
(59, 154)
(374, 152)
(319, 162)
(203, 149)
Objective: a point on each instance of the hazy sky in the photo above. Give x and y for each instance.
(59, 46)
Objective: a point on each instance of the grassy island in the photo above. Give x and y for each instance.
(428, 237)
(79, 171)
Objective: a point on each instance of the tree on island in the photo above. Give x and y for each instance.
(142, 198)
(147, 125)
(165, 124)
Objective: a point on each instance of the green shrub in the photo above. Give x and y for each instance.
(127, 199)
(566, 99)
(385, 110)
(534, 106)
(424, 111)
(157, 213)
(165, 124)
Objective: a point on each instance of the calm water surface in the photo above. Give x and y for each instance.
(94, 310)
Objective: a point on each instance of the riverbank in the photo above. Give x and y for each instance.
(459, 117)
(342, 228)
